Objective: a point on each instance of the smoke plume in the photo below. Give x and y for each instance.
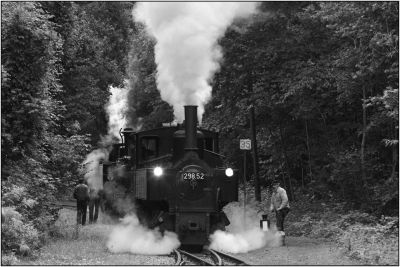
(186, 52)
(93, 174)
(130, 236)
(116, 109)
(244, 233)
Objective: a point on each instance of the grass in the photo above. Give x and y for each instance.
(359, 235)
(89, 248)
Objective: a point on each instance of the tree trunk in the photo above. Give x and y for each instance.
(364, 136)
(283, 149)
(284, 180)
(394, 154)
(395, 161)
(255, 156)
(308, 151)
(291, 189)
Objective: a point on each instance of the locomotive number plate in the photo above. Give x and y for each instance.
(193, 176)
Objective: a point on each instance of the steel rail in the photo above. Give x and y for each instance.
(231, 258)
(63, 204)
(194, 257)
(216, 257)
(178, 258)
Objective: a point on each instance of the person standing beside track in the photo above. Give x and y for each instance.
(81, 194)
(94, 203)
(279, 204)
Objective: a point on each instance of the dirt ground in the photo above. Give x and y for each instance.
(90, 249)
(299, 251)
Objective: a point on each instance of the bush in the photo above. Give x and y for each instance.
(33, 207)
(357, 217)
(8, 259)
(17, 235)
(377, 244)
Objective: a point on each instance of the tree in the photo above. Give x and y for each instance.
(31, 63)
(95, 52)
(323, 78)
(30, 52)
(368, 33)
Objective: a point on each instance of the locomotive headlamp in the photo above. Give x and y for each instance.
(229, 172)
(158, 171)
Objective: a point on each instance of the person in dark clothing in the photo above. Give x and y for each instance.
(81, 194)
(94, 203)
(102, 197)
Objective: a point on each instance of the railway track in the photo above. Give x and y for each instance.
(206, 258)
(227, 259)
(65, 204)
(187, 258)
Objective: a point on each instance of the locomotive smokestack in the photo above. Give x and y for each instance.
(191, 128)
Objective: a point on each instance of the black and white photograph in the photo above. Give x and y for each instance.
(199, 133)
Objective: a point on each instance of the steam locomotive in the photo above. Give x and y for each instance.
(175, 177)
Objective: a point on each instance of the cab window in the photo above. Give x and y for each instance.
(209, 144)
(149, 147)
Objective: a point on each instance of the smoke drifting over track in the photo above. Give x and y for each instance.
(186, 52)
(130, 236)
(244, 233)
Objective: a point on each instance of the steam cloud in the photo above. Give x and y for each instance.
(93, 175)
(186, 53)
(244, 233)
(116, 109)
(130, 236)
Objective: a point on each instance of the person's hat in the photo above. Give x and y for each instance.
(275, 182)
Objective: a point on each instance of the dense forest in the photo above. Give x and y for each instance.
(322, 77)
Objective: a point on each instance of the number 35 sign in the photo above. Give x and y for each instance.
(245, 144)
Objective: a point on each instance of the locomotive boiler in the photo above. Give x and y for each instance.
(175, 176)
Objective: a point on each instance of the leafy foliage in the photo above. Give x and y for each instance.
(30, 50)
(94, 57)
(37, 164)
(304, 70)
(17, 234)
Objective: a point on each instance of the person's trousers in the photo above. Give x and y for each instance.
(94, 206)
(280, 217)
(81, 207)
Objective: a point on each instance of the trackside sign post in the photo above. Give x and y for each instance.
(245, 145)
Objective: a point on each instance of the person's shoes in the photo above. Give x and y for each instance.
(283, 238)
